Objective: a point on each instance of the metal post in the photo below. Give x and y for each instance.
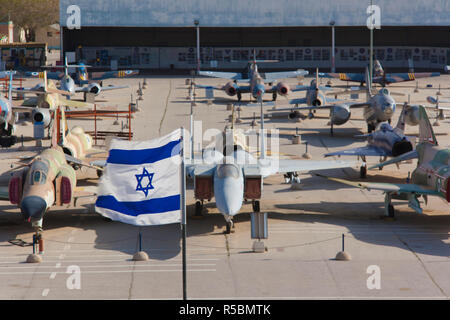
(140, 240)
(333, 61)
(95, 123)
(196, 22)
(183, 213)
(263, 147)
(371, 52)
(343, 237)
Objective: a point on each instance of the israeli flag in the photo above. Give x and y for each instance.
(141, 182)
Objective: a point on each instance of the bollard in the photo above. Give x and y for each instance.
(342, 255)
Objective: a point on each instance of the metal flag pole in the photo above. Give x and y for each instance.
(183, 213)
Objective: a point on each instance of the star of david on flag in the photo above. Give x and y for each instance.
(140, 177)
(141, 183)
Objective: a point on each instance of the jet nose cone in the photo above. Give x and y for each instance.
(33, 208)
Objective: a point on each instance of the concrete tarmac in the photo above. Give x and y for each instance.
(411, 253)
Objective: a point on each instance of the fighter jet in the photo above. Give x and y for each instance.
(7, 117)
(379, 76)
(74, 83)
(234, 175)
(430, 178)
(48, 179)
(48, 99)
(384, 142)
(437, 107)
(379, 107)
(256, 85)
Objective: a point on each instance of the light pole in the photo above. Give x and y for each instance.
(197, 22)
(333, 61)
(371, 50)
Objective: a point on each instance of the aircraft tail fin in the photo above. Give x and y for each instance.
(66, 67)
(401, 119)
(377, 69)
(368, 84)
(10, 87)
(55, 132)
(45, 81)
(426, 133)
(317, 78)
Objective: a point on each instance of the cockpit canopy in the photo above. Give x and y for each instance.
(384, 126)
(384, 91)
(228, 170)
(39, 171)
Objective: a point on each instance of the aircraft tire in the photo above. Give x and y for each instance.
(363, 172)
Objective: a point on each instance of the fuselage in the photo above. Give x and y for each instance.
(391, 140)
(381, 107)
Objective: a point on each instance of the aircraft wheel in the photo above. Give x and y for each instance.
(256, 207)
(239, 96)
(99, 173)
(391, 211)
(198, 208)
(228, 227)
(274, 96)
(370, 128)
(363, 172)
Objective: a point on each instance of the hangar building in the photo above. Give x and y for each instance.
(161, 34)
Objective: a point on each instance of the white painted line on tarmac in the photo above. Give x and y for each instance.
(110, 271)
(120, 266)
(45, 292)
(53, 275)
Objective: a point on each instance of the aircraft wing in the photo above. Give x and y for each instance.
(223, 75)
(269, 167)
(354, 105)
(75, 104)
(274, 76)
(288, 165)
(300, 88)
(406, 156)
(356, 77)
(107, 88)
(298, 101)
(400, 77)
(113, 74)
(50, 75)
(362, 151)
(386, 187)
(77, 161)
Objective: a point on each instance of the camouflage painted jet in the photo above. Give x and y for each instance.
(74, 83)
(430, 178)
(380, 77)
(384, 142)
(256, 86)
(48, 179)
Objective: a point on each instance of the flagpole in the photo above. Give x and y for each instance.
(183, 213)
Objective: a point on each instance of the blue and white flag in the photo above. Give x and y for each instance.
(141, 181)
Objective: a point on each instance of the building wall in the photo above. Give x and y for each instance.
(255, 13)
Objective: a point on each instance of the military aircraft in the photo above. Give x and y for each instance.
(379, 107)
(384, 142)
(438, 108)
(48, 99)
(47, 179)
(7, 117)
(254, 80)
(380, 77)
(430, 178)
(74, 83)
(234, 175)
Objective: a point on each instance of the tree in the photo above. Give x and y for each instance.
(30, 15)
